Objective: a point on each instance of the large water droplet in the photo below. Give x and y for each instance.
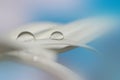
(25, 36)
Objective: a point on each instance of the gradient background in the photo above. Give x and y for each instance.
(14, 13)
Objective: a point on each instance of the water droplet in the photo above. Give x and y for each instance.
(57, 36)
(24, 36)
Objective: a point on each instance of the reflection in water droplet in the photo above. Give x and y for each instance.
(57, 36)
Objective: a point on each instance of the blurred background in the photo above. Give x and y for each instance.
(15, 13)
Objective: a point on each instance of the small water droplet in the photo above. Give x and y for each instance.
(35, 58)
(57, 36)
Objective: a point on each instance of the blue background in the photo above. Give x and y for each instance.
(82, 61)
